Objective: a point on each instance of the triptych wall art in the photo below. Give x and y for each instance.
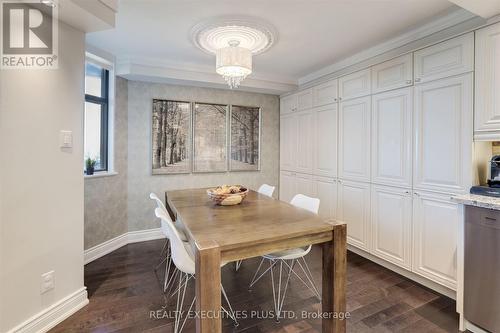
(201, 137)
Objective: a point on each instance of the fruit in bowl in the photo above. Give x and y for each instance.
(227, 195)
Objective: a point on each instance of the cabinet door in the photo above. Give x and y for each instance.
(304, 132)
(487, 92)
(304, 185)
(325, 93)
(392, 137)
(304, 99)
(354, 139)
(443, 135)
(325, 141)
(391, 213)
(326, 192)
(288, 186)
(288, 141)
(355, 85)
(452, 57)
(354, 210)
(435, 234)
(393, 74)
(288, 104)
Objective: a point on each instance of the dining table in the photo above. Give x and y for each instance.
(259, 225)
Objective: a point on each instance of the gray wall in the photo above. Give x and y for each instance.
(106, 197)
(41, 186)
(140, 180)
(117, 204)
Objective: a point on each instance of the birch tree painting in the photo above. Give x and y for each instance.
(210, 137)
(171, 135)
(245, 138)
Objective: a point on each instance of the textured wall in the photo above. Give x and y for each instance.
(106, 197)
(140, 180)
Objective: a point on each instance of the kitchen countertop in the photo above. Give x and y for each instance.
(478, 201)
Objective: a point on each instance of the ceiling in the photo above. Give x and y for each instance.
(312, 33)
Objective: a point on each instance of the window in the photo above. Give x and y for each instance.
(96, 115)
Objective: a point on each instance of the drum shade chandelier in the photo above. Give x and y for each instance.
(234, 43)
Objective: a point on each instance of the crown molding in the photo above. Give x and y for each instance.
(448, 20)
(164, 71)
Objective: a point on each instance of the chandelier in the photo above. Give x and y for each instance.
(234, 63)
(234, 42)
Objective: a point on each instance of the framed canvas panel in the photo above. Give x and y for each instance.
(245, 127)
(171, 137)
(210, 137)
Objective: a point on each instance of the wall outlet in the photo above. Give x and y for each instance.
(48, 282)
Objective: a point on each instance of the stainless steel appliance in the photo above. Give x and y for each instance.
(482, 267)
(494, 180)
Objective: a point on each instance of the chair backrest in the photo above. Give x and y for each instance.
(182, 260)
(305, 202)
(266, 190)
(159, 203)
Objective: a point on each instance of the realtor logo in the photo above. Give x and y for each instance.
(29, 35)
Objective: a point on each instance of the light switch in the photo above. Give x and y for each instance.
(66, 139)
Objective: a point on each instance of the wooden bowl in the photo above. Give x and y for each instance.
(227, 199)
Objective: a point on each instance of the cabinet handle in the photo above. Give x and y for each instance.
(417, 79)
(409, 81)
(335, 99)
(407, 192)
(340, 98)
(416, 194)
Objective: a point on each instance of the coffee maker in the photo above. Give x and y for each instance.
(493, 188)
(494, 180)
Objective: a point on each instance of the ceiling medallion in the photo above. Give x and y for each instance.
(234, 41)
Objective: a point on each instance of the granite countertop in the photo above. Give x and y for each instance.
(478, 201)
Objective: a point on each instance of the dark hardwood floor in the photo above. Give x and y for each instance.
(124, 291)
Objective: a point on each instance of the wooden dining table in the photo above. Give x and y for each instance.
(259, 225)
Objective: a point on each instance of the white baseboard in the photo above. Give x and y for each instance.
(410, 275)
(115, 243)
(55, 314)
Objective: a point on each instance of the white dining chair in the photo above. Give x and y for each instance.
(165, 257)
(288, 259)
(266, 190)
(184, 261)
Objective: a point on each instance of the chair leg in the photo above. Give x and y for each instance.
(279, 292)
(255, 278)
(163, 258)
(238, 265)
(230, 313)
(183, 282)
(308, 274)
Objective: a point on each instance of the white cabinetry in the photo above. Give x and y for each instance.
(288, 186)
(324, 132)
(326, 191)
(354, 139)
(325, 93)
(393, 74)
(487, 92)
(304, 185)
(355, 85)
(435, 234)
(443, 135)
(354, 210)
(288, 141)
(304, 100)
(288, 104)
(391, 212)
(452, 57)
(304, 134)
(392, 137)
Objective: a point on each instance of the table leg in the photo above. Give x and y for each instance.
(334, 281)
(208, 291)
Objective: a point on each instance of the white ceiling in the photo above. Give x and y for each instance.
(312, 33)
